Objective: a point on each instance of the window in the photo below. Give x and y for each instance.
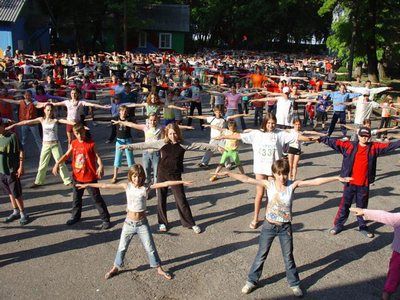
(142, 39)
(165, 41)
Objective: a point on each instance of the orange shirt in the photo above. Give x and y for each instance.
(257, 80)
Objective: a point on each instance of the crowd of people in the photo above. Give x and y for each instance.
(263, 99)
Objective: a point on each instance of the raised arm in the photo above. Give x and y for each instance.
(170, 183)
(246, 179)
(129, 124)
(319, 181)
(26, 122)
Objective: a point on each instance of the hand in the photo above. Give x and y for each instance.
(123, 147)
(115, 122)
(345, 179)
(80, 186)
(190, 127)
(55, 170)
(108, 106)
(206, 125)
(357, 211)
(187, 183)
(221, 149)
(20, 171)
(100, 172)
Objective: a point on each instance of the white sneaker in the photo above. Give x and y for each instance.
(345, 139)
(196, 229)
(297, 291)
(248, 288)
(162, 228)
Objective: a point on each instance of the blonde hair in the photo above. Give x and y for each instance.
(175, 127)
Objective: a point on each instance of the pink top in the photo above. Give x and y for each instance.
(232, 100)
(391, 219)
(74, 112)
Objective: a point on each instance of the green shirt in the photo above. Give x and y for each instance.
(9, 153)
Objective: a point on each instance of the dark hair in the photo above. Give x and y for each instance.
(138, 171)
(78, 127)
(281, 166)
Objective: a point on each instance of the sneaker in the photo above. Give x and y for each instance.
(72, 222)
(248, 288)
(34, 185)
(105, 225)
(108, 141)
(12, 217)
(213, 178)
(367, 233)
(334, 231)
(196, 229)
(228, 166)
(24, 220)
(162, 228)
(344, 139)
(203, 165)
(297, 291)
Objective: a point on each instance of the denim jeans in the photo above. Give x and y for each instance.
(268, 233)
(150, 160)
(142, 229)
(26, 131)
(208, 154)
(231, 112)
(118, 153)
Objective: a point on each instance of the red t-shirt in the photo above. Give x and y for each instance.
(360, 167)
(83, 161)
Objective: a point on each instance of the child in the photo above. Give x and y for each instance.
(387, 105)
(230, 150)
(309, 113)
(216, 123)
(136, 221)
(322, 108)
(278, 221)
(124, 137)
(391, 219)
(84, 157)
(294, 151)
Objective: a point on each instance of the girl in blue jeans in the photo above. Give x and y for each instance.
(278, 221)
(124, 137)
(136, 221)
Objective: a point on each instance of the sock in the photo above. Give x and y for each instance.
(15, 211)
(22, 214)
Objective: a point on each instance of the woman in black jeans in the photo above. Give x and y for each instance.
(172, 151)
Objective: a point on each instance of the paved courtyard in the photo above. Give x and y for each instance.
(46, 259)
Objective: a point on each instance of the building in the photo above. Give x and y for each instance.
(165, 27)
(23, 26)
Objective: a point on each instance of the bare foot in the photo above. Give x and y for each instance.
(114, 271)
(166, 275)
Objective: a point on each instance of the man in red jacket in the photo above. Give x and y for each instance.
(359, 162)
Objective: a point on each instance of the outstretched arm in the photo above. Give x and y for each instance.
(246, 179)
(385, 217)
(237, 116)
(120, 186)
(320, 181)
(129, 124)
(170, 183)
(26, 122)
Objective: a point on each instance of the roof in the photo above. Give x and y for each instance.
(166, 17)
(10, 9)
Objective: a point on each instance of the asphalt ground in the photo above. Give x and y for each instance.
(47, 259)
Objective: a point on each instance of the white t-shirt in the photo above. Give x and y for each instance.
(74, 112)
(363, 110)
(136, 198)
(284, 111)
(267, 147)
(215, 122)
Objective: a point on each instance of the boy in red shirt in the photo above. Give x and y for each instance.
(84, 157)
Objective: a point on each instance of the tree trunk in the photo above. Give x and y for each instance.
(371, 42)
(355, 27)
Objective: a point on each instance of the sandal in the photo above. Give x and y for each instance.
(114, 271)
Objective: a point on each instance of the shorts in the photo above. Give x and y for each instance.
(322, 116)
(11, 184)
(232, 155)
(168, 121)
(294, 151)
(69, 128)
